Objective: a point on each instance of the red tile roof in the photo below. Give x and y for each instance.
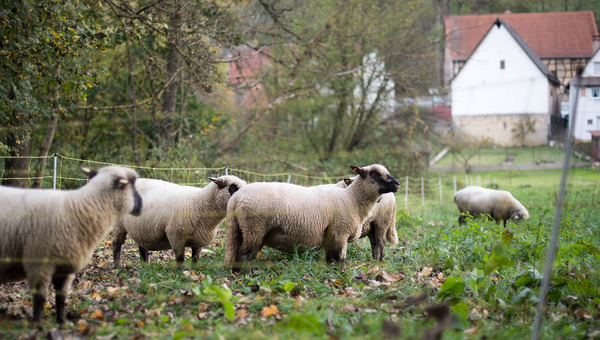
(550, 35)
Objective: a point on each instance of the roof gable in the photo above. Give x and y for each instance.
(588, 71)
(521, 42)
(550, 35)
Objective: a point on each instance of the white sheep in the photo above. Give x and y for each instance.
(50, 235)
(499, 204)
(176, 217)
(289, 217)
(381, 223)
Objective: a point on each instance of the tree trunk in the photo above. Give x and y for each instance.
(134, 149)
(170, 97)
(16, 172)
(44, 148)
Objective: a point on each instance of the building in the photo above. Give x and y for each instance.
(564, 41)
(587, 117)
(502, 84)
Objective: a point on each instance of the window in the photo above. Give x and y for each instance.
(502, 64)
(596, 67)
(590, 122)
(596, 93)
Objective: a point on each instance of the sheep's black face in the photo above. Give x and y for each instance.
(386, 182)
(233, 188)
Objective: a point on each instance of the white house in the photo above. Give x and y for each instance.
(587, 117)
(502, 82)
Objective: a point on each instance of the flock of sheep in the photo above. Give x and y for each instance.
(48, 236)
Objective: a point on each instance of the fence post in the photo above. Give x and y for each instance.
(406, 195)
(226, 172)
(440, 181)
(422, 193)
(479, 180)
(455, 185)
(54, 175)
(466, 180)
(289, 178)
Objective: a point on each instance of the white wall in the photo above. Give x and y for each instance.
(588, 109)
(482, 88)
(589, 68)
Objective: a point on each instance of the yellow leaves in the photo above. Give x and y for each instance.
(97, 315)
(268, 311)
(96, 296)
(372, 270)
(140, 324)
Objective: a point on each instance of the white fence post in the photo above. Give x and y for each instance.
(289, 178)
(455, 185)
(440, 181)
(226, 172)
(54, 176)
(466, 180)
(406, 195)
(422, 193)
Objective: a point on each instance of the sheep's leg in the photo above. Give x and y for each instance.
(461, 219)
(144, 253)
(179, 256)
(336, 251)
(39, 289)
(196, 254)
(377, 242)
(61, 287)
(119, 237)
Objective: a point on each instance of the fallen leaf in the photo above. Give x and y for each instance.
(374, 283)
(140, 324)
(203, 307)
(425, 272)
(339, 283)
(350, 308)
(372, 270)
(271, 310)
(188, 327)
(384, 276)
(361, 277)
(97, 315)
(241, 313)
(96, 296)
(470, 331)
(112, 290)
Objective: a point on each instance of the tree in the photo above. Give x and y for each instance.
(336, 66)
(464, 147)
(525, 125)
(41, 76)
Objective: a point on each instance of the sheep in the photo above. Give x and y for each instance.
(380, 224)
(289, 217)
(499, 204)
(176, 217)
(50, 235)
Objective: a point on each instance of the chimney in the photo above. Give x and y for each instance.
(596, 42)
(507, 11)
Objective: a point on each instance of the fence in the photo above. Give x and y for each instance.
(417, 193)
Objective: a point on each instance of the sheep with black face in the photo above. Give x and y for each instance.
(499, 204)
(49, 235)
(176, 217)
(289, 217)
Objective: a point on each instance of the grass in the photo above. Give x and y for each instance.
(526, 155)
(298, 296)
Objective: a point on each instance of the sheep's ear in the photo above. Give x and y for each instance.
(358, 171)
(221, 183)
(121, 182)
(348, 181)
(89, 172)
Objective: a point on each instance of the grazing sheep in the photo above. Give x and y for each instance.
(50, 235)
(499, 204)
(176, 217)
(381, 223)
(288, 217)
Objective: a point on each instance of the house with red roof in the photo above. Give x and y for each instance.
(502, 77)
(564, 41)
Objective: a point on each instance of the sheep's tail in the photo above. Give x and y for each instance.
(233, 234)
(392, 235)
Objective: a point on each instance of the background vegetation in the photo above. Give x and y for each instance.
(149, 82)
